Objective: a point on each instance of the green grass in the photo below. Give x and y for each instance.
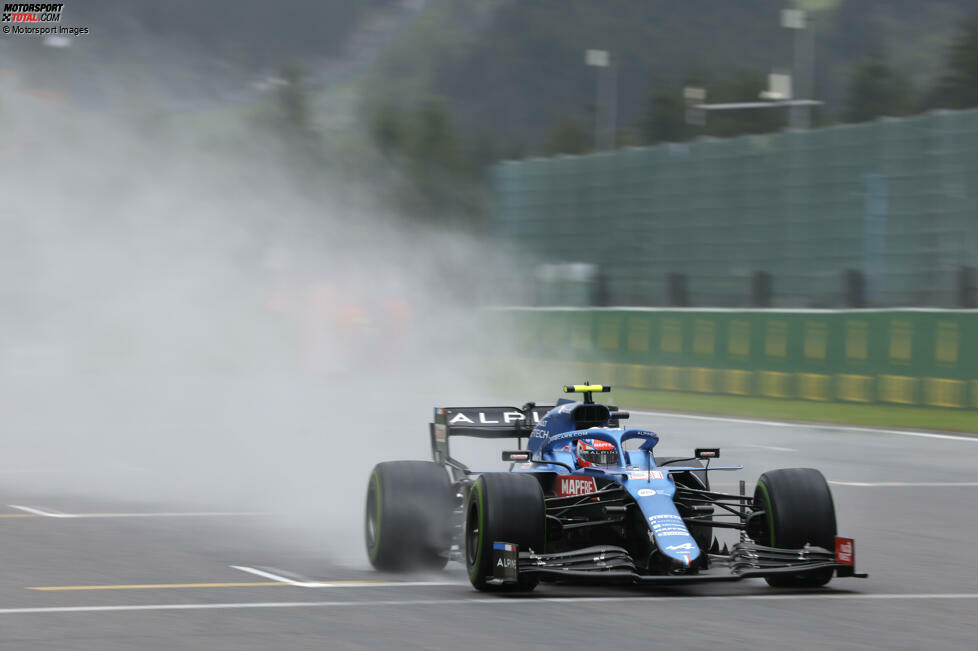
(891, 416)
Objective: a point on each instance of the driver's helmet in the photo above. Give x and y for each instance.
(592, 452)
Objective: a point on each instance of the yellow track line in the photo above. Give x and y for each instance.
(168, 586)
(156, 586)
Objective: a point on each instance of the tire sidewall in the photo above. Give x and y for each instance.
(373, 542)
(474, 566)
(508, 507)
(411, 505)
(799, 510)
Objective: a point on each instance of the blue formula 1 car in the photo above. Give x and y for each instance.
(589, 501)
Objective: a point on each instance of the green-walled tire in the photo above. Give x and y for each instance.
(799, 510)
(503, 507)
(407, 521)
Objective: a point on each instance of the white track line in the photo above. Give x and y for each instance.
(519, 602)
(778, 423)
(344, 584)
(900, 484)
(765, 447)
(47, 514)
(173, 514)
(50, 513)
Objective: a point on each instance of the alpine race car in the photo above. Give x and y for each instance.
(587, 500)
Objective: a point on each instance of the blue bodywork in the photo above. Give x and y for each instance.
(553, 439)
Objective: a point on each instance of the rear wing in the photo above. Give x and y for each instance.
(481, 422)
(488, 422)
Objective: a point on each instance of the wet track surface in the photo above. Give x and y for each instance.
(111, 574)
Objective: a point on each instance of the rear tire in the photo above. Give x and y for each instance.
(408, 516)
(799, 510)
(503, 507)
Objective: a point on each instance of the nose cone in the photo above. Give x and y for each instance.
(672, 538)
(664, 563)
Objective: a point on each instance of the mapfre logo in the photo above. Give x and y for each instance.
(570, 486)
(845, 551)
(32, 12)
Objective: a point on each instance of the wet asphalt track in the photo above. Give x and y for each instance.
(907, 500)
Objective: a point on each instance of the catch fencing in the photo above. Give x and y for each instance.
(896, 199)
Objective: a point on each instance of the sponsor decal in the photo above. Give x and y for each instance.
(506, 560)
(490, 418)
(667, 524)
(685, 547)
(441, 433)
(845, 551)
(512, 417)
(649, 492)
(567, 435)
(645, 474)
(481, 419)
(568, 485)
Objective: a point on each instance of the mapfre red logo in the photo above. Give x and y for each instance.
(845, 552)
(568, 486)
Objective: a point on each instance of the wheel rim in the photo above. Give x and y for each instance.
(371, 521)
(472, 536)
(767, 523)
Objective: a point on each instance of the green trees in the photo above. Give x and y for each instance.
(434, 177)
(665, 117)
(501, 103)
(568, 137)
(877, 89)
(958, 87)
(293, 104)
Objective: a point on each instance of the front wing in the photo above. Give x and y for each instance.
(609, 564)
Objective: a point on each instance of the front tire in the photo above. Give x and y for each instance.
(503, 507)
(407, 523)
(799, 511)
